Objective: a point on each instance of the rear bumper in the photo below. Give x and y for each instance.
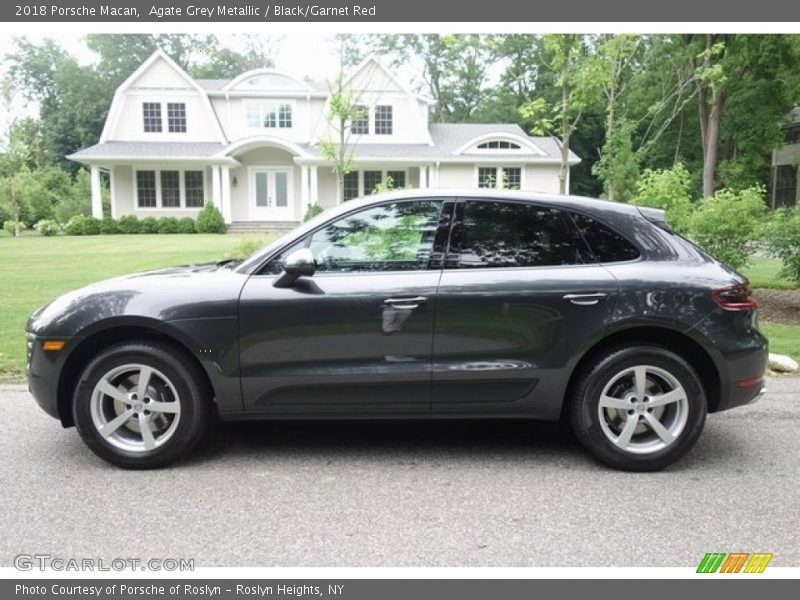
(745, 381)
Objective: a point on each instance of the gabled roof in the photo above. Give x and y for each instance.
(113, 114)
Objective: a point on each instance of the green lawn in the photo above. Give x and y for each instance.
(763, 273)
(35, 269)
(783, 339)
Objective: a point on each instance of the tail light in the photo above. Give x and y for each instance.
(735, 297)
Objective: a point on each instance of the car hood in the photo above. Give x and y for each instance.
(184, 292)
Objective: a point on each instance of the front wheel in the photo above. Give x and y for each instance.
(141, 405)
(638, 408)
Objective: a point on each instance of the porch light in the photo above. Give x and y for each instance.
(235, 181)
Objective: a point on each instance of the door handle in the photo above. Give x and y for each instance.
(405, 303)
(586, 299)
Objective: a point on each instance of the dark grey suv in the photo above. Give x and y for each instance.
(415, 304)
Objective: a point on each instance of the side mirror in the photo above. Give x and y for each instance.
(299, 263)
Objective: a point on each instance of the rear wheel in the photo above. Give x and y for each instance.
(141, 405)
(638, 408)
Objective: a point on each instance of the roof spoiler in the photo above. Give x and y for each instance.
(654, 215)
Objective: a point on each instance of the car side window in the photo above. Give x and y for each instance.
(514, 234)
(606, 244)
(388, 237)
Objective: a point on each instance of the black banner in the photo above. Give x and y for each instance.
(444, 11)
(391, 589)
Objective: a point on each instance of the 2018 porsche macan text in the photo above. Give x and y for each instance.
(415, 304)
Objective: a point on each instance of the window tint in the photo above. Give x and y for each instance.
(506, 234)
(606, 245)
(391, 237)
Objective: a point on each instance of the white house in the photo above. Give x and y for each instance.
(251, 145)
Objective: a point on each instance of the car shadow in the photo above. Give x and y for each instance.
(391, 439)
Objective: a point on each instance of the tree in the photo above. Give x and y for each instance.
(226, 63)
(454, 68)
(753, 78)
(343, 108)
(579, 84)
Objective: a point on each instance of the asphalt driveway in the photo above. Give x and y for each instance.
(405, 494)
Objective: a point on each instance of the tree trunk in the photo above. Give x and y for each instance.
(711, 146)
(565, 124)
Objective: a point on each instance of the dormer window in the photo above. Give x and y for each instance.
(360, 124)
(498, 145)
(269, 115)
(153, 117)
(176, 117)
(151, 113)
(383, 120)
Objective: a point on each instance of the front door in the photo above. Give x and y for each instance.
(271, 195)
(357, 336)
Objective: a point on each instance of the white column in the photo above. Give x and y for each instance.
(97, 196)
(216, 187)
(314, 185)
(423, 177)
(227, 209)
(305, 200)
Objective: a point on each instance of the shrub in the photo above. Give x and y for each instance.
(47, 227)
(725, 225)
(8, 226)
(129, 224)
(109, 226)
(782, 235)
(186, 225)
(148, 225)
(210, 220)
(82, 225)
(167, 225)
(247, 246)
(76, 225)
(313, 211)
(667, 189)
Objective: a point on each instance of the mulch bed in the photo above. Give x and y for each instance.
(778, 306)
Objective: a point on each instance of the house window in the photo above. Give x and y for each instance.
(193, 183)
(360, 124)
(285, 116)
(176, 117)
(498, 145)
(372, 179)
(170, 189)
(350, 188)
(269, 115)
(398, 178)
(151, 113)
(146, 189)
(383, 120)
(487, 177)
(512, 178)
(509, 178)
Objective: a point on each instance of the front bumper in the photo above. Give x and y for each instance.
(43, 369)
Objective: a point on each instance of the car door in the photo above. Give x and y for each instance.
(358, 335)
(518, 297)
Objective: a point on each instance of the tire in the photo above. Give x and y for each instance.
(619, 425)
(110, 415)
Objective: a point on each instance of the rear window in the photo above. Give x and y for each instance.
(606, 244)
(510, 234)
